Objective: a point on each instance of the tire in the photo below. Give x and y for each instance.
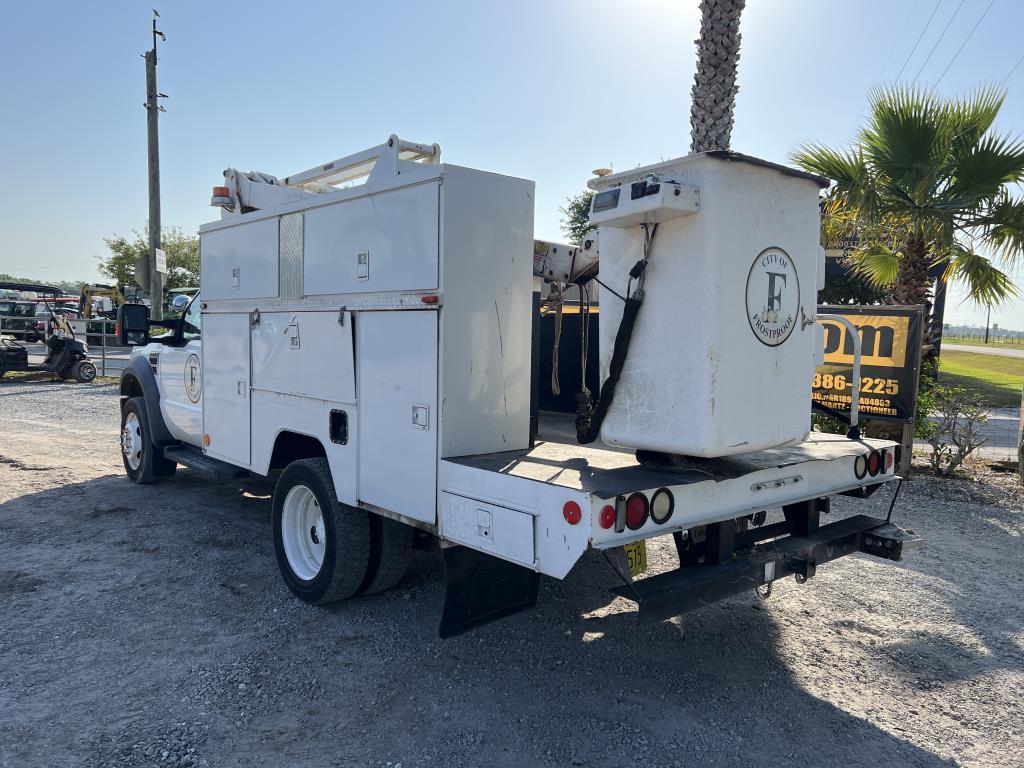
(390, 552)
(322, 545)
(142, 462)
(84, 371)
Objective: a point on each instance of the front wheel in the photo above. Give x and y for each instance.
(140, 457)
(322, 545)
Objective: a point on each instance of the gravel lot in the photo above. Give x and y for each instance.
(149, 626)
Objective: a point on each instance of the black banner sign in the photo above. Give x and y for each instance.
(890, 357)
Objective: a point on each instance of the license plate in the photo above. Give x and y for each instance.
(636, 556)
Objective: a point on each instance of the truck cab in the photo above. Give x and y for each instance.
(177, 367)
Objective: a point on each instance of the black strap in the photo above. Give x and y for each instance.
(588, 425)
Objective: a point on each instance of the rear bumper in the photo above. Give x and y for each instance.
(670, 594)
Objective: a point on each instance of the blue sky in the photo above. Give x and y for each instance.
(542, 90)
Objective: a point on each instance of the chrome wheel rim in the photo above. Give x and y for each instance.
(302, 532)
(131, 441)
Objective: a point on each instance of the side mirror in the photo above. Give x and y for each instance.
(133, 324)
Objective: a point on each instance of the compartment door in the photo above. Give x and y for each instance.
(226, 387)
(397, 395)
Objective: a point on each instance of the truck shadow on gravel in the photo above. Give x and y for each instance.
(156, 621)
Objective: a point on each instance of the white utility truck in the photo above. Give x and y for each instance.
(368, 329)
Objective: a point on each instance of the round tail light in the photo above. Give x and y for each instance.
(572, 512)
(888, 460)
(636, 511)
(860, 466)
(874, 463)
(607, 519)
(662, 506)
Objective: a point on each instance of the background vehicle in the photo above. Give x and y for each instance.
(66, 357)
(18, 320)
(377, 344)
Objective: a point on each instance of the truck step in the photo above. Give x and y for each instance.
(193, 458)
(670, 594)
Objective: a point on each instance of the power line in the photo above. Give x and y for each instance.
(918, 42)
(944, 31)
(1012, 70)
(969, 34)
(892, 49)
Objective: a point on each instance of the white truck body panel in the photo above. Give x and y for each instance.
(308, 354)
(356, 245)
(348, 328)
(240, 261)
(485, 346)
(226, 413)
(398, 411)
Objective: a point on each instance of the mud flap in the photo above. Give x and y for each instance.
(480, 589)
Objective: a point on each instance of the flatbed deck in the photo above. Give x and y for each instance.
(557, 459)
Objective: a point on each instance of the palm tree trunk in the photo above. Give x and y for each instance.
(913, 284)
(714, 83)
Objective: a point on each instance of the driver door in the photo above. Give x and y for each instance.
(180, 377)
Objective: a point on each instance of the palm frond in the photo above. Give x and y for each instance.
(986, 284)
(846, 168)
(973, 115)
(907, 138)
(982, 171)
(876, 262)
(1002, 227)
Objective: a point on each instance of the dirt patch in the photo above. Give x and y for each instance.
(147, 626)
(17, 582)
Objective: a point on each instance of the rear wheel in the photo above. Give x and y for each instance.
(142, 461)
(391, 549)
(322, 545)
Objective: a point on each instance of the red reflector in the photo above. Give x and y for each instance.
(636, 511)
(607, 517)
(430, 299)
(874, 463)
(572, 513)
(888, 460)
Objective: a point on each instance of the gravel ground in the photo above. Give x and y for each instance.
(148, 626)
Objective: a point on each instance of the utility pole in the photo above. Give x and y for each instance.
(154, 283)
(988, 322)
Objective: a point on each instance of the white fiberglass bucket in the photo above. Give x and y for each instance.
(723, 350)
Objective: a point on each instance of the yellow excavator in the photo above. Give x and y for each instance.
(90, 292)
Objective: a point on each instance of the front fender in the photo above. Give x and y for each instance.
(138, 371)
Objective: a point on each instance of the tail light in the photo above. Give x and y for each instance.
(662, 506)
(607, 518)
(888, 460)
(874, 463)
(860, 466)
(636, 511)
(572, 512)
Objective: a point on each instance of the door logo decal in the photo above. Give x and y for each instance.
(773, 296)
(193, 378)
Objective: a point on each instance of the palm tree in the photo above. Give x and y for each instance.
(926, 183)
(714, 83)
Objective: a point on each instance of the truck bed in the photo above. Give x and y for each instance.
(557, 459)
